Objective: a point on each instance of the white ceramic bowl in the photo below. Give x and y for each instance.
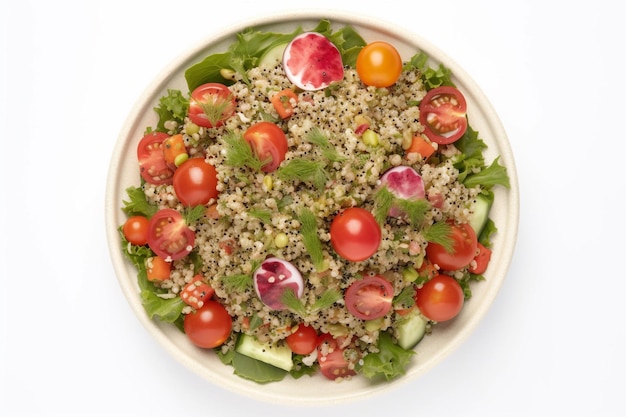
(316, 390)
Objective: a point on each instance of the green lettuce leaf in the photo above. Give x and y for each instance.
(390, 362)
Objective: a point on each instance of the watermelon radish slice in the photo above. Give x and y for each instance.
(312, 62)
(273, 278)
(403, 182)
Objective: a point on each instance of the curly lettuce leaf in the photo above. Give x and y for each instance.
(172, 106)
(390, 362)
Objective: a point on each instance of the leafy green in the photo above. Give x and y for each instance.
(305, 171)
(264, 215)
(239, 153)
(193, 214)
(431, 77)
(310, 238)
(406, 298)
(172, 106)
(317, 137)
(237, 282)
(166, 309)
(292, 302)
(494, 174)
(253, 44)
(440, 233)
(390, 362)
(327, 299)
(384, 200)
(137, 204)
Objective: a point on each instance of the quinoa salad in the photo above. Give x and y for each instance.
(299, 224)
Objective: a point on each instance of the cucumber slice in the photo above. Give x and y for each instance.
(273, 56)
(411, 329)
(481, 214)
(278, 356)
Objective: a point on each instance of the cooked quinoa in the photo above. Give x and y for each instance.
(238, 238)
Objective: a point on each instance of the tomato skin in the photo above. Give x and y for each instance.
(168, 235)
(354, 234)
(152, 165)
(369, 298)
(284, 102)
(303, 341)
(211, 104)
(209, 326)
(443, 115)
(197, 292)
(379, 64)
(158, 269)
(482, 260)
(135, 230)
(268, 142)
(463, 252)
(440, 299)
(333, 363)
(195, 182)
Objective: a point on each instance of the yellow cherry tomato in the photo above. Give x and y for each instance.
(379, 64)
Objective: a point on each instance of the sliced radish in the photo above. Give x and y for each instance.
(403, 182)
(272, 278)
(312, 62)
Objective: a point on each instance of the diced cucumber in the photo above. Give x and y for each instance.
(481, 214)
(411, 329)
(273, 56)
(278, 356)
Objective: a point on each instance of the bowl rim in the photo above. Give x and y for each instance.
(112, 203)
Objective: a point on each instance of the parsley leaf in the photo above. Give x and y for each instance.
(172, 106)
(138, 204)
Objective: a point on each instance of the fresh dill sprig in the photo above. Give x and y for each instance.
(264, 215)
(383, 201)
(415, 209)
(239, 153)
(193, 214)
(326, 300)
(304, 170)
(292, 302)
(440, 233)
(214, 108)
(310, 238)
(237, 282)
(317, 137)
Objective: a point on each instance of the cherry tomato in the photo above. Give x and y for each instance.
(152, 164)
(209, 326)
(463, 249)
(379, 64)
(197, 292)
(354, 234)
(195, 182)
(168, 235)
(369, 298)
(211, 104)
(135, 230)
(331, 359)
(269, 143)
(303, 341)
(482, 260)
(443, 114)
(440, 299)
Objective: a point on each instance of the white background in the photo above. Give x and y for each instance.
(554, 342)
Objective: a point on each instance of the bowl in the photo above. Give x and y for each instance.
(446, 337)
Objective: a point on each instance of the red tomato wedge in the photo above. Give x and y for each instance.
(152, 165)
(312, 62)
(169, 236)
(211, 104)
(369, 298)
(443, 115)
(273, 278)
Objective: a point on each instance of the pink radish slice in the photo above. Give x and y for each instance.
(312, 62)
(403, 182)
(272, 278)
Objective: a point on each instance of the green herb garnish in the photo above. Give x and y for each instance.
(239, 153)
(440, 233)
(304, 170)
(310, 238)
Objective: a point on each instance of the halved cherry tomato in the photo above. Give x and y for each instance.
(354, 234)
(284, 102)
(152, 165)
(209, 326)
(135, 230)
(463, 249)
(157, 269)
(269, 143)
(331, 359)
(482, 260)
(369, 298)
(197, 292)
(379, 64)
(211, 104)
(195, 182)
(440, 299)
(174, 150)
(443, 114)
(303, 340)
(169, 236)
